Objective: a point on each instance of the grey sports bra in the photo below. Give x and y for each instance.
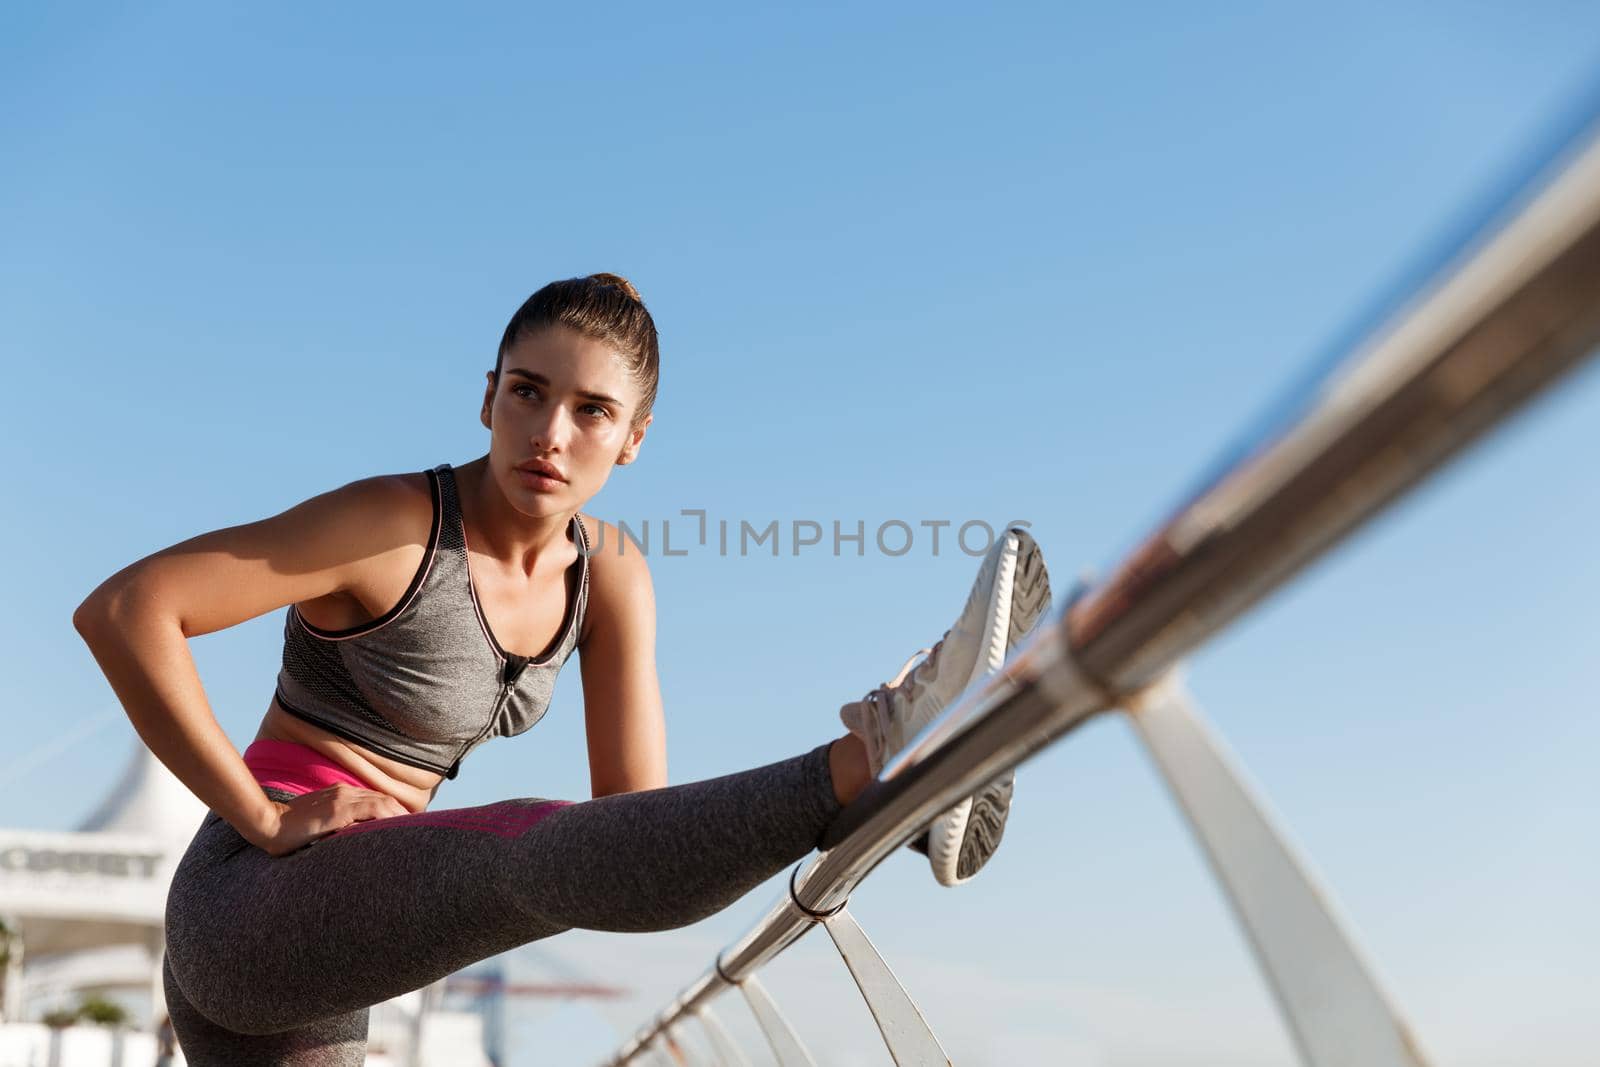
(427, 682)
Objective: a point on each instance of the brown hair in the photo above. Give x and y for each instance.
(605, 307)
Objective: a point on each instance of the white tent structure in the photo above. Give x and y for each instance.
(86, 910)
(86, 907)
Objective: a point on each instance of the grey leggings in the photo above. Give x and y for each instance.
(275, 960)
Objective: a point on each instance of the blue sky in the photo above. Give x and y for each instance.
(908, 263)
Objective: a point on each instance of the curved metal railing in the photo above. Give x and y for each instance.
(1505, 312)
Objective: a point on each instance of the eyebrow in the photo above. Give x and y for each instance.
(539, 379)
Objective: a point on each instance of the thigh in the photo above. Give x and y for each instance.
(339, 1041)
(267, 943)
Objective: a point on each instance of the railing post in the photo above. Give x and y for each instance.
(678, 1050)
(1338, 1014)
(911, 1043)
(786, 1045)
(721, 1043)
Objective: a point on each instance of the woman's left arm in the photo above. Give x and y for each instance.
(623, 716)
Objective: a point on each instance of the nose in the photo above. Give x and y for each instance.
(551, 428)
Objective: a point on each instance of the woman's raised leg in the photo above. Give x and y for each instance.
(261, 945)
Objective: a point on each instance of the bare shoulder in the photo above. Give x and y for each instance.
(407, 492)
(394, 500)
(341, 541)
(621, 593)
(348, 522)
(359, 519)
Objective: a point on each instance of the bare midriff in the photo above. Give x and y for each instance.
(412, 786)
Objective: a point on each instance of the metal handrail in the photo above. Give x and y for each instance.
(1514, 306)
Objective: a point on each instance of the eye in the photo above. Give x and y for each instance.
(595, 411)
(524, 391)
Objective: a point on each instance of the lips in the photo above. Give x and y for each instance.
(542, 469)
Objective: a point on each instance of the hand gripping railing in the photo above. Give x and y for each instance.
(1503, 315)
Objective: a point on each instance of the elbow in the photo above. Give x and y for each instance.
(90, 616)
(106, 608)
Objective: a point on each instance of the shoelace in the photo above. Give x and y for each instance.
(905, 668)
(881, 693)
(877, 723)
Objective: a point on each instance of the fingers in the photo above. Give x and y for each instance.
(360, 805)
(326, 810)
(372, 805)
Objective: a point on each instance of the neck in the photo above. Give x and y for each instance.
(499, 530)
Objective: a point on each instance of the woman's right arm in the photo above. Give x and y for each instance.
(138, 622)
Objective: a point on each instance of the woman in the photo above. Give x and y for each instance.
(427, 613)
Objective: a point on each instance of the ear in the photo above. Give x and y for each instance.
(630, 451)
(488, 401)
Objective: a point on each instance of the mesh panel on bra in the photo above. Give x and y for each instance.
(317, 665)
(452, 535)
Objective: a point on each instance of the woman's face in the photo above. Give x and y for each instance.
(560, 417)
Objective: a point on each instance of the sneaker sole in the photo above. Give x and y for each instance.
(961, 840)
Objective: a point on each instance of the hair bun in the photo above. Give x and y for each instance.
(617, 280)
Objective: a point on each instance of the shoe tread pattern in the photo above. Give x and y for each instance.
(986, 822)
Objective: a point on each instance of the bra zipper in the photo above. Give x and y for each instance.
(512, 670)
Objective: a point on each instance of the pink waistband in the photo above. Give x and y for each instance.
(295, 768)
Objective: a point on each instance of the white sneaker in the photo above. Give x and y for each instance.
(1011, 592)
